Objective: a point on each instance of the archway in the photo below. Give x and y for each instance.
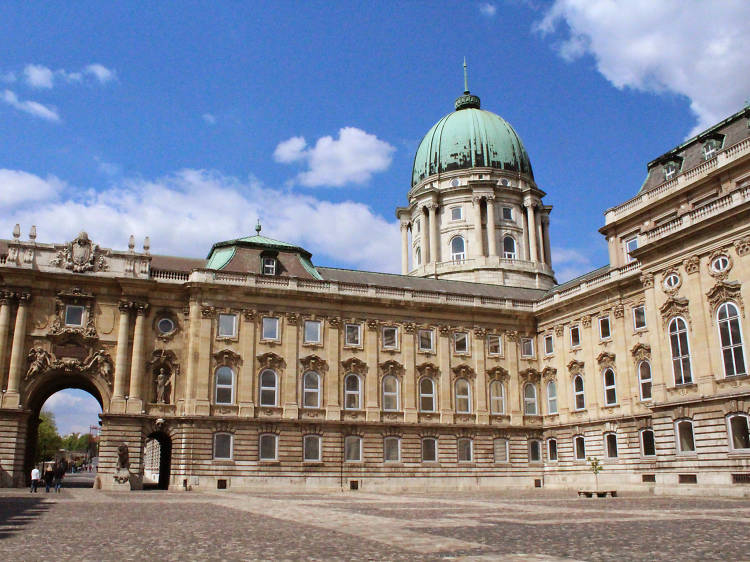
(157, 461)
(38, 392)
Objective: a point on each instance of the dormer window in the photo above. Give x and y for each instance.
(269, 266)
(670, 170)
(711, 147)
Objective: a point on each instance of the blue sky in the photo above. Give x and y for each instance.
(185, 121)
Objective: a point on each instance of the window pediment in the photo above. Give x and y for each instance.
(575, 367)
(725, 291)
(354, 365)
(674, 306)
(314, 363)
(270, 360)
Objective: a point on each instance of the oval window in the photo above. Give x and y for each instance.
(165, 326)
(671, 281)
(720, 264)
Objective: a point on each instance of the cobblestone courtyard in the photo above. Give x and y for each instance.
(83, 524)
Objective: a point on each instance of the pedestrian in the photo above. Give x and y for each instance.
(59, 473)
(35, 475)
(49, 476)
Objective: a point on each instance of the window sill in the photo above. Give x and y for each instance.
(734, 379)
(356, 347)
(390, 349)
(426, 351)
(610, 406)
(270, 341)
(461, 354)
(228, 338)
(528, 357)
(311, 344)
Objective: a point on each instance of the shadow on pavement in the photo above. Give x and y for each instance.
(16, 513)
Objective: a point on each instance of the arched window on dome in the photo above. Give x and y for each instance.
(509, 248)
(458, 249)
(418, 256)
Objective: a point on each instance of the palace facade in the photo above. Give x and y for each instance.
(256, 367)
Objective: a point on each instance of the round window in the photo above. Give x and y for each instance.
(720, 264)
(505, 182)
(454, 182)
(671, 281)
(165, 326)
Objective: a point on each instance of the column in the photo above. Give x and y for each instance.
(539, 236)
(246, 373)
(424, 239)
(17, 359)
(480, 367)
(404, 248)
(531, 230)
(194, 326)
(491, 234)
(117, 405)
(478, 251)
(545, 232)
(4, 330)
(434, 234)
(526, 250)
(136, 398)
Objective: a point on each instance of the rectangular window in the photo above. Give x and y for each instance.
(685, 437)
(227, 325)
(352, 334)
(392, 449)
(648, 444)
(639, 317)
(74, 315)
(223, 446)
(580, 448)
(390, 337)
(269, 266)
(575, 336)
(527, 347)
(270, 328)
(426, 340)
(494, 345)
(630, 245)
(269, 447)
(604, 329)
(535, 451)
(464, 450)
(501, 450)
(457, 213)
(312, 331)
(311, 448)
(429, 449)
(552, 450)
(461, 342)
(353, 448)
(549, 344)
(508, 213)
(610, 442)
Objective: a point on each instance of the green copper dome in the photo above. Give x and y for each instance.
(470, 138)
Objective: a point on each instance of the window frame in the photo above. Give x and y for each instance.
(357, 393)
(606, 387)
(431, 395)
(230, 437)
(505, 442)
(312, 391)
(70, 307)
(460, 210)
(499, 352)
(420, 333)
(577, 393)
(641, 433)
(503, 213)
(268, 265)
(497, 397)
(732, 346)
(530, 342)
(395, 345)
(219, 333)
(459, 442)
(319, 440)
(551, 398)
(396, 395)
(274, 388)
(576, 439)
(347, 341)
(636, 327)
(467, 396)
(457, 257)
(682, 356)
(317, 341)
(642, 381)
(607, 436)
(575, 328)
(466, 351)
(275, 438)
(218, 386)
(435, 449)
(678, 439)
(351, 439)
(277, 322)
(392, 438)
(527, 400)
(604, 320)
(731, 435)
(549, 349)
(537, 443)
(552, 457)
(626, 244)
(507, 254)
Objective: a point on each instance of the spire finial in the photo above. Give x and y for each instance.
(466, 78)
(258, 227)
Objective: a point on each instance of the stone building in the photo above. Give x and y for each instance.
(472, 368)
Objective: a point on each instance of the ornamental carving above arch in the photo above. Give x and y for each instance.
(725, 291)
(530, 375)
(641, 352)
(549, 374)
(314, 363)
(463, 371)
(606, 359)
(674, 306)
(575, 367)
(498, 373)
(227, 357)
(391, 367)
(96, 364)
(427, 370)
(354, 365)
(270, 360)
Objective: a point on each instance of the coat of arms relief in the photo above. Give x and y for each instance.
(81, 255)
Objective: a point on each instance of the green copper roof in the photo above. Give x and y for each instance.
(220, 258)
(470, 137)
(256, 241)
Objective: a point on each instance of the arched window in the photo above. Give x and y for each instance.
(610, 388)
(268, 388)
(224, 385)
(427, 395)
(463, 397)
(529, 400)
(418, 256)
(610, 445)
(644, 377)
(685, 436)
(731, 340)
(551, 397)
(535, 450)
(352, 394)
(497, 398)
(509, 248)
(580, 397)
(390, 393)
(739, 432)
(678, 340)
(311, 390)
(648, 443)
(552, 449)
(458, 249)
(579, 446)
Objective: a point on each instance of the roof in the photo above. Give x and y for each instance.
(578, 280)
(467, 138)
(259, 241)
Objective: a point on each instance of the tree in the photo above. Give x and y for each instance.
(596, 467)
(48, 441)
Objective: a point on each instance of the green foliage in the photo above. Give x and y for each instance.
(596, 466)
(48, 441)
(76, 442)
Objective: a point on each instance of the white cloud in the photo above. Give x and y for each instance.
(101, 73)
(693, 48)
(75, 410)
(31, 107)
(38, 76)
(190, 210)
(569, 263)
(20, 188)
(108, 168)
(209, 119)
(8, 77)
(352, 158)
(488, 9)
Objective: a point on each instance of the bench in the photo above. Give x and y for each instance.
(598, 493)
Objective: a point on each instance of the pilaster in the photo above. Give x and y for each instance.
(291, 353)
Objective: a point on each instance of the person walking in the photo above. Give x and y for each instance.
(49, 476)
(35, 475)
(59, 474)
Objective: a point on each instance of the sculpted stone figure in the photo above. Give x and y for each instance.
(162, 386)
(38, 361)
(123, 457)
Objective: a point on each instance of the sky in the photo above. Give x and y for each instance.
(187, 121)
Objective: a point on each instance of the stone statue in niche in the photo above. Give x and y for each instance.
(163, 385)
